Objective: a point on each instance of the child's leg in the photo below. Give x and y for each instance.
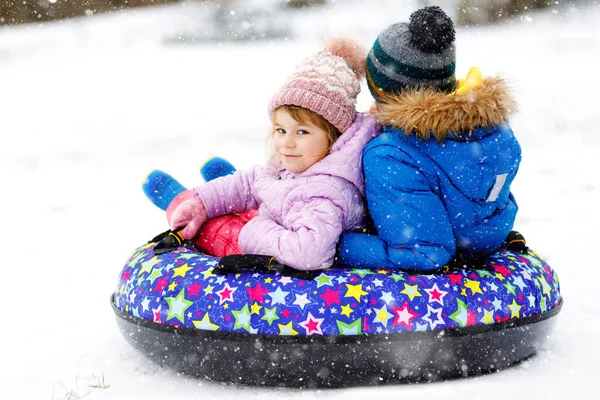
(219, 236)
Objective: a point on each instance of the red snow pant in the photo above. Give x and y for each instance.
(218, 236)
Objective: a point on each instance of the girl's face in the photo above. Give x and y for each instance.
(297, 144)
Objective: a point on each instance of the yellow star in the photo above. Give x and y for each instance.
(411, 291)
(463, 292)
(488, 317)
(209, 289)
(172, 286)
(287, 329)
(382, 271)
(355, 291)
(205, 324)
(226, 306)
(181, 271)
(269, 280)
(121, 289)
(255, 308)
(247, 283)
(514, 309)
(473, 285)
(347, 310)
(315, 292)
(499, 276)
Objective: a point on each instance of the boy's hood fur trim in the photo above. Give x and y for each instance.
(428, 112)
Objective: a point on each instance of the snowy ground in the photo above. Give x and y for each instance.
(88, 107)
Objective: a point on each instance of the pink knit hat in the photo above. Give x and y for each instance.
(326, 83)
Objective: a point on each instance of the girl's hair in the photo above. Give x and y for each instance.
(303, 115)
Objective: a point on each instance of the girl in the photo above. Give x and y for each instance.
(312, 189)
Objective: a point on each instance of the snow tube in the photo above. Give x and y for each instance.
(344, 327)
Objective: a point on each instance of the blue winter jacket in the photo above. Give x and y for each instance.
(430, 198)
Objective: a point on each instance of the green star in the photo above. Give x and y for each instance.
(156, 273)
(362, 272)
(397, 277)
(242, 318)
(460, 315)
(323, 280)
(270, 315)
(177, 306)
(510, 288)
(483, 273)
(354, 328)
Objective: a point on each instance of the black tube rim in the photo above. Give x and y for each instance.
(342, 339)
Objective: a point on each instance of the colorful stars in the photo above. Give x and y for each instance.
(510, 288)
(382, 316)
(460, 315)
(270, 315)
(387, 297)
(436, 294)
(514, 309)
(324, 280)
(257, 293)
(347, 310)
(284, 280)
(545, 287)
(194, 290)
(431, 312)
(161, 284)
(177, 306)
(145, 304)
(278, 296)
(411, 291)
(205, 324)
(488, 317)
(312, 325)
(301, 300)
(255, 308)
(154, 274)
(362, 272)
(181, 271)
(209, 289)
(242, 318)
(156, 314)
(397, 277)
(148, 265)
(355, 328)
(226, 294)
(473, 285)
(355, 291)
(404, 315)
(287, 330)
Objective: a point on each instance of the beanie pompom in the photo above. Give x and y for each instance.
(431, 29)
(351, 51)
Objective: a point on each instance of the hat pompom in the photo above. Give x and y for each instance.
(351, 51)
(431, 29)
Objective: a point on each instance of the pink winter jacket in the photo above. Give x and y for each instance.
(300, 215)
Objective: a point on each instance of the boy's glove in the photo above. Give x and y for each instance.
(190, 214)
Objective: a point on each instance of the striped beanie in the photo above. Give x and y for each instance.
(419, 53)
(326, 83)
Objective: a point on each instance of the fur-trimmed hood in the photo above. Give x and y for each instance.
(427, 112)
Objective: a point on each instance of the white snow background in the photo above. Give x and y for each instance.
(88, 106)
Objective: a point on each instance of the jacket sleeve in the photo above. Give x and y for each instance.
(308, 244)
(414, 231)
(229, 194)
